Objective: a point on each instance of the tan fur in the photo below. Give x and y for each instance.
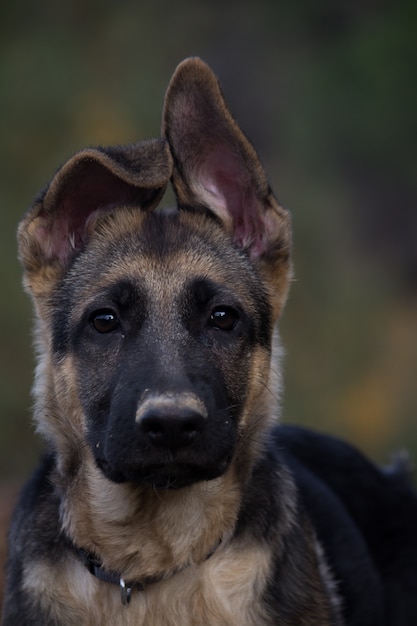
(224, 590)
(174, 528)
(141, 532)
(55, 389)
(136, 529)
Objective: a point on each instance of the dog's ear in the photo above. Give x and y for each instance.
(92, 183)
(217, 168)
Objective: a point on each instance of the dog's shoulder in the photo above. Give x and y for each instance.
(34, 536)
(37, 507)
(369, 492)
(365, 517)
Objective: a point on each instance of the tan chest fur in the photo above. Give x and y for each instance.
(225, 591)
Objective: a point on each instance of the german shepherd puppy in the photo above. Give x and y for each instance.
(168, 495)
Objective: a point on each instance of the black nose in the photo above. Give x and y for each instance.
(172, 429)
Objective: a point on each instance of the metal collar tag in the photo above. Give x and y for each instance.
(125, 591)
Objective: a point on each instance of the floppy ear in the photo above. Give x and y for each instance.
(92, 183)
(217, 169)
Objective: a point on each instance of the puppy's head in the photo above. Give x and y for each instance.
(155, 327)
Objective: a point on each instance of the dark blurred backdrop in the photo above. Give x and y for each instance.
(327, 92)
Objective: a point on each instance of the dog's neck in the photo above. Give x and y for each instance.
(94, 566)
(141, 532)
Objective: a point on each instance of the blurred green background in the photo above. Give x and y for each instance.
(327, 92)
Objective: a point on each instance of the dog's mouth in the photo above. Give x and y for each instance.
(165, 475)
(178, 476)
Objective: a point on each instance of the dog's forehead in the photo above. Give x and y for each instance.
(161, 253)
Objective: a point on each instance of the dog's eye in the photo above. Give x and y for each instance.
(104, 321)
(223, 318)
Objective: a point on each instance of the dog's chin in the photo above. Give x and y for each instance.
(167, 476)
(178, 477)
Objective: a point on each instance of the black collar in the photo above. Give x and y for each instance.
(93, 564)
